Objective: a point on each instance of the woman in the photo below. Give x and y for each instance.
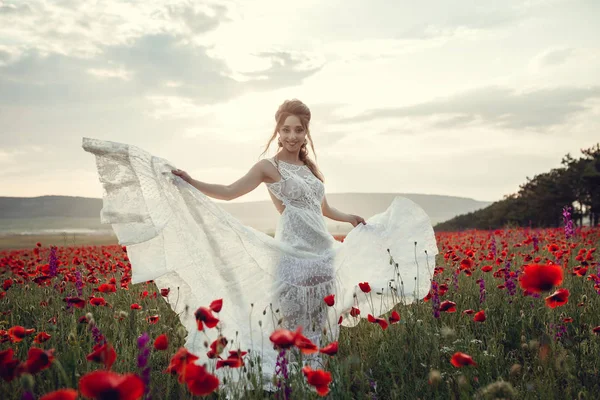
(178, 237)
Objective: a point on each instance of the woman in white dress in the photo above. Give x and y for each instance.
(178, 237)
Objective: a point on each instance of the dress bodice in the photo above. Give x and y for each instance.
(298, 186)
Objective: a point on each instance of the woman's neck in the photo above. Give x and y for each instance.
(293, 158)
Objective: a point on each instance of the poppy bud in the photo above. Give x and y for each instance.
(435, 378)
(260, 323)
(181, 332)
(515, 370)
(205, 343)
(27, 381)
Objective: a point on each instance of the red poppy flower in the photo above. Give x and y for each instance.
(558, 298)
(205, 315)
(469, 311)
(103, 354)
(233, 361)
(365, 287)
(165, 292)
(136, 306)
(355, 312)
(319, 379)
(479, 316)
(153, 319)
(553, 247)
(331, 349)
(199, 381)
(382, 322)
(486, 268)
(75, 302)
(18, 333)
(304, 344)
(448, 306)
(283, 338)
(97, 301)
(107, 288)
(466, 263)
(38, 360)
(596, 330)
(394, 318)
(41, 337)
(109, 385)
(161, 342)
(7, 284)
(62, 394)
(329, 300)
(461, 359)
(216, 305)
(567, 320)
(539, 278)
(8, 365)
(179, 361)
(217, 347)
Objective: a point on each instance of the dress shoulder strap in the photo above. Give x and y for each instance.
(272, 161)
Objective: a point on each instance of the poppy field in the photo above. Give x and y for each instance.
(511, 314)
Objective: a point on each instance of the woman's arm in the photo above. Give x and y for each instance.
(254, 177)
(333, 213)
(337, 215)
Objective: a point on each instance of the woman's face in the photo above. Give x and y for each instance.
(292, 134)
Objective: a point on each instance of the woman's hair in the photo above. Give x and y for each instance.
(299, 109)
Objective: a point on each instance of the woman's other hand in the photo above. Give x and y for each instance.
(182, 174)
(355, 220)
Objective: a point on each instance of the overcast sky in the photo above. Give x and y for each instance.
(463, 98)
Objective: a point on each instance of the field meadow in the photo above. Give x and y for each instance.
(512, 314)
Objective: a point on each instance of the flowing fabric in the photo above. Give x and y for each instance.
(181, 239)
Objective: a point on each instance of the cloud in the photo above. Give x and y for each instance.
(554, 57)
(496, 106)
(15, 9)
(198, 21)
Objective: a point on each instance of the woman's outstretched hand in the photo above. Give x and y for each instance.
(182, 174)
(355, 220)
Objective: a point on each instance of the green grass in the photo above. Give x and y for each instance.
(516, 349)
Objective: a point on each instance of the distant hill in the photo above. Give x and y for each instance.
(30, 213)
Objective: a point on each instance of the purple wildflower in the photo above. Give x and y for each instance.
(79, 283)
(493, 246)
(281, 368)
(568, 221)
(53, 262)
(455, 278)
(27, 395)
(97, 335)
(509, 281)
(536, 246)
(142, 361)
(481, 290)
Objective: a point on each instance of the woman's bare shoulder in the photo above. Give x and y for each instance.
(270, 173)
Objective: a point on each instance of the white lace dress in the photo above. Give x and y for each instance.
(181, 239)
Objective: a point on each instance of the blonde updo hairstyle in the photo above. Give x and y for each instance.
(299, 109)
